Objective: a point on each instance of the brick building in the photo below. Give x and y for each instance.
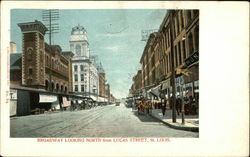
(102, 80)
(177, 42)
(183, 27)
(41, 66)
(137, 83)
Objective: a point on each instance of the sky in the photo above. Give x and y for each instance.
(114, 35)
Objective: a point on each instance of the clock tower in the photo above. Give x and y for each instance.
(79, 42)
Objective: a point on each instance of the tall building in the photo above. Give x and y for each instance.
(171, 57)
(85, 74)
(41, 65)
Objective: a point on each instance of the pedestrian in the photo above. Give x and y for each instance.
(178, 105)
(163, 108)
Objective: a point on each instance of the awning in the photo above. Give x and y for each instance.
(165, 84)
(47, 98)
(101, 99)
(150, 94)
(94, 97)
(156, 90)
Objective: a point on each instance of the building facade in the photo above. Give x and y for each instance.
(173, 48)
(43, 66)
(84, 72)
(102, 81)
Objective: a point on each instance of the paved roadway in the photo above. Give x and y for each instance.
(107, 121)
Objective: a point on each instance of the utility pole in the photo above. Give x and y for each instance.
(50, 16)
(172, 67)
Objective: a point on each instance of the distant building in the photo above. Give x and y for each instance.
(102, 79)
(40, 65)
(85, 74)
(107, 91)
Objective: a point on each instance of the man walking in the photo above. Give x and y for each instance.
(163, 108)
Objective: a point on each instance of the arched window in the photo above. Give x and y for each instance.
(52, 86)
(46, 84)
(78, 50)
(57, 87)
(62, 88)
(30, 52)
(47, 60)
(66, 90)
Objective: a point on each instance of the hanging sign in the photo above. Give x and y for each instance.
(192, 59)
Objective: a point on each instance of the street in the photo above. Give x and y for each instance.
(106, 121)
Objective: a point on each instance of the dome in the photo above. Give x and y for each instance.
(78, 30)
(78, 33)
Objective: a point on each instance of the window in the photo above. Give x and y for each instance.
(47, 60)
(30, 51)
(176, 60)
(41, 57)
(82, 88)
(82, 68)
(153, 61)
(30, 71)
(190, 44)
(189, 16)
(184, 49)
(177, 24)
(182, 21)
(179, 49)
(52, 63)
(82, 77)
(175, 28)
(76, 77)
(76, 88)
(78, 50)
(75, 68)
(196, 37)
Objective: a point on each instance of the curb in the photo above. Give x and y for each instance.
(193, 129)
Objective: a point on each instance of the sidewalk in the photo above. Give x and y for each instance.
(191, 121)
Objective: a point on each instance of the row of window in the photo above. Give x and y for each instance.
(182, 49)
(76, 68)
(82, 88)
(56, 64)
(56, 87)
(82, 77)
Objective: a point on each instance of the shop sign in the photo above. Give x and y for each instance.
(192, 59)
(46, 98)
(66, 103)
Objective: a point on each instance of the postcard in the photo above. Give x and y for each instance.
(123, 79)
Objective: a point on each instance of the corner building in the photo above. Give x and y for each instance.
(85, 74)
(43, 66)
